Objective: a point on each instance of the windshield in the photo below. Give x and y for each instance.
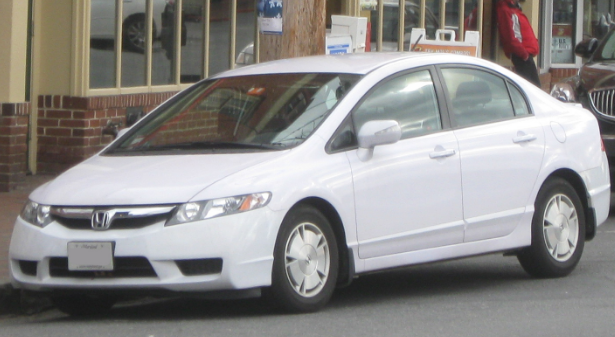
(247, 113)
(606, 52)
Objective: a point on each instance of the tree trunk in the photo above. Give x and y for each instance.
(303, 31)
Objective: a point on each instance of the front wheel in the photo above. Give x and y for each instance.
(558, 231)
(305, 265)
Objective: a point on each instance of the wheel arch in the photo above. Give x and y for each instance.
(141, 16)
(134, 16)
(346, 263)
(575, 180)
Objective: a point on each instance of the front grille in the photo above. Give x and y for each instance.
(200, 266)
(80, 218)
(28, 267)
(603, 101)
(127, 223)
(127, 266)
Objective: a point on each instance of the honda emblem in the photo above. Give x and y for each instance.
(101, 220)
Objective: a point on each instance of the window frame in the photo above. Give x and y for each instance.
(441, 108)
(507, 82)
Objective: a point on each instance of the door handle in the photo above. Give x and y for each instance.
(442, 153)
(524, 138)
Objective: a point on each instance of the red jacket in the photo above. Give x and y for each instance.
(516, 33)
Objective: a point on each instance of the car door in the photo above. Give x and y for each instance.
(408, 195)
(501, 146)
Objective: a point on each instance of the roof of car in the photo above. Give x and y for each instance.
(361, 63)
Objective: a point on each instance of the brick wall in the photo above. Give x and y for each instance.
(14, 118)
(70, 128)
(558, 74)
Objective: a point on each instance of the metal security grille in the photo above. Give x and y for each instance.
(603, 101)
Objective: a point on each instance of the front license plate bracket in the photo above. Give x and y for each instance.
(90, 256)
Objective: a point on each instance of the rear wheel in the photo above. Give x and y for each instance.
(306, 261)
(558, 231)
(84, 305)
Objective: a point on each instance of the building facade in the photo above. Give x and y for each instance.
(74, 71)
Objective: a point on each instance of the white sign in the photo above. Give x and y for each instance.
(270, 16)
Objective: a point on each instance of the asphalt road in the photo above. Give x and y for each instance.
(481, 296)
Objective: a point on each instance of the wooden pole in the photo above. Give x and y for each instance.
(303, 32)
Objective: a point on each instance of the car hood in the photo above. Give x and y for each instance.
(598, 75)
(143, 180)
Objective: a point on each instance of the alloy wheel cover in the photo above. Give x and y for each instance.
(560, 227)
(307, 259)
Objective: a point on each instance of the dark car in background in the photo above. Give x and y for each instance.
(594, 87)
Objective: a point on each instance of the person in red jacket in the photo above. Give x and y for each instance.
(518, 39)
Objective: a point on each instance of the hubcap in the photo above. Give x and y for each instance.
(136, 34)
(307, 260)
(561, 227)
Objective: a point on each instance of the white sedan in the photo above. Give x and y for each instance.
(291, 177)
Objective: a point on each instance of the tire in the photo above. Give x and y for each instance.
(306, 261)
(134, 33)
(558, 232)
(84, 305)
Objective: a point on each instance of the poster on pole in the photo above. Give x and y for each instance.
(270, 16)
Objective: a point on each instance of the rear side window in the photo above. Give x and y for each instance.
(519, 103)
(477, 96)
(409, 99)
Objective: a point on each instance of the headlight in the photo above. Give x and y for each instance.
(36, 214)
(564, 92)
(201, 210)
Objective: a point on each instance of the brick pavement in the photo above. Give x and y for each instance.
(10, 206)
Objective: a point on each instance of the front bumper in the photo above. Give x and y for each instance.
(244, 243)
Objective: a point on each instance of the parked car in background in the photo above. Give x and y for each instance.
(594, 87)
(133, 21)
(289, 178)
(245, 56)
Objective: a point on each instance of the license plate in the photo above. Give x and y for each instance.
(90, 256)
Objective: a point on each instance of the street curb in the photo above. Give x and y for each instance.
(22, 302)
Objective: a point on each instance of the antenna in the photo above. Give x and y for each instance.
(416, 43)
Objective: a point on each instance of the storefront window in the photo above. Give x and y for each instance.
(597, 17)
(135, 26)
(390, 23)
(563, 31)
(102, 44)
(220, 37)
(164, 50)
(192, 49)
(161, 37)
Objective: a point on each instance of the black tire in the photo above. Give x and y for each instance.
(84, 305)
(558, 231)
(304, 282)
(134, 33)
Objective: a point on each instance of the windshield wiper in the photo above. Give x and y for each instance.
(208, 146)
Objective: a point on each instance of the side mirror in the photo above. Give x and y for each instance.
(586, 48)
(375, 133)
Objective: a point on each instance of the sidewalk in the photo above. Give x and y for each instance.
(10, 206)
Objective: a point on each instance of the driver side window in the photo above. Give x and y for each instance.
(409, 99)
